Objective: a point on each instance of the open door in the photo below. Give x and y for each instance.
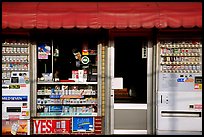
(130, 102)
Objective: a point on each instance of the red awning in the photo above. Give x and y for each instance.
(101, 14)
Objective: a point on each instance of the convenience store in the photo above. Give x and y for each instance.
(68, 60)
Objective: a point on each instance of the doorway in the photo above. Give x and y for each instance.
(132, 67)
(130, 103)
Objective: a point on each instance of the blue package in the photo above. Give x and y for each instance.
(55, 108)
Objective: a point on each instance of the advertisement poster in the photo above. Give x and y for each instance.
(83, 124)
(15, 127)
(43, 51)
(51, 126)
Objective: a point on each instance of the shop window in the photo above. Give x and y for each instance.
(69, 55)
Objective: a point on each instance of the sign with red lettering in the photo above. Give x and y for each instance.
(51, 126)
(198, 106)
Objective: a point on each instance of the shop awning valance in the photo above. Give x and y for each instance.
(101, 14)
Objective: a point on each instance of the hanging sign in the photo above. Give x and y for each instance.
(43, 51)
(85, 60)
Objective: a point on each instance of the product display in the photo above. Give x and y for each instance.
(14, 58)
(75, 96)
(180, 57)
(66, 88)
(67, 99)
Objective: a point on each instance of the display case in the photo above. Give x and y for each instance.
(15, 58)
(66, 88)
(74, 92)
(66, 99)
(180, 56)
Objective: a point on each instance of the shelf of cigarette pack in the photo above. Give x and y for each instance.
(21, 70)
(15, 62)
(181, 71)
(69, 96)
(68, 104)
(181, 46)
(15, 54)
(60, 114)
(5, 78)
(15, 44)
(50, 82)
(183, 55)
(180, 63)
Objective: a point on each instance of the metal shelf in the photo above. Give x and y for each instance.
(63, 115)
(15, 45)
(182, 55)
(180, 63)
(180, 46)
(15, 62)
(15, 54)
(71, 83)
(14, 70)
(68, 104)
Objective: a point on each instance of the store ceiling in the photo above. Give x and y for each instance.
(95, 15)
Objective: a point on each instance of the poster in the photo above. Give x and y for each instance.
(43, 51)
(51, 126)
(83, 124)
(15, 127)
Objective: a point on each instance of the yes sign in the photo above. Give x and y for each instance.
(51, 126)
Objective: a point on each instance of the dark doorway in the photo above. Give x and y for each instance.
(130, 65)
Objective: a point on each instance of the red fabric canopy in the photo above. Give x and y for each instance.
(101, 14)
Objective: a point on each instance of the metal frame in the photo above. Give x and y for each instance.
(109, 95)
(150, 93)
(150, 73)
(99, 47)
(33, 64)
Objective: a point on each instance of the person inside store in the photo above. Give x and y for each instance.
(77, 55)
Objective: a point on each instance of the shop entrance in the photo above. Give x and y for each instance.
(130, 102)
(131, 65)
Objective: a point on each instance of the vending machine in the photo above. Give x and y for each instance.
(15, 89)
(179, 86)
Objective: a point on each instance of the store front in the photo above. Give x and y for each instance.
(99, 64)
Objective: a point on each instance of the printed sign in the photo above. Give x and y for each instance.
(180, 79)
(14, 86)
(83, 124)
(15, 127)
(51, 126)
(185, 80)
(198, 83)
(197, 86)
(85, 60)
(14, 98)
(198, 106)
(43, 51)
